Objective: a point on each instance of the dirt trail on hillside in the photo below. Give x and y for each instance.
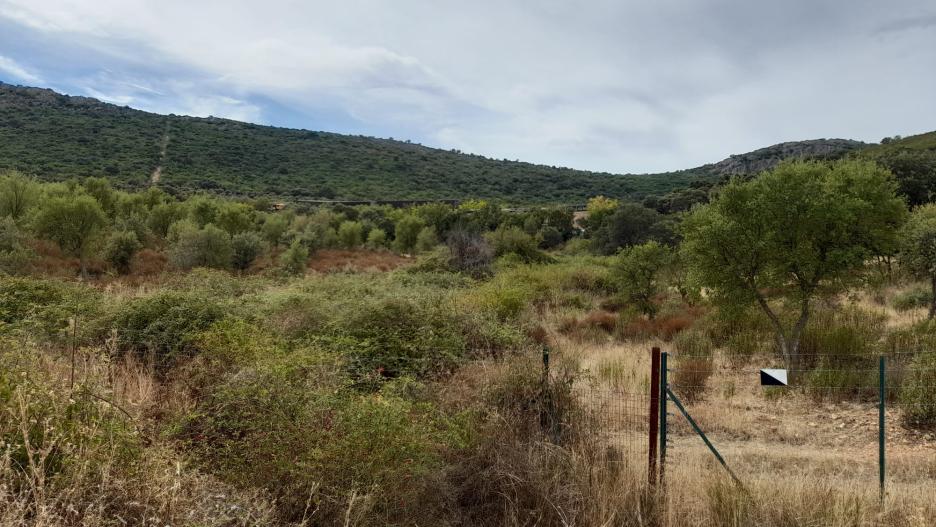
(164, 145)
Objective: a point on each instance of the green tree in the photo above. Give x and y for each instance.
(427, 239)
(234, 218)
(100, 188)
(350, 234)
(163, 215)
(74, 222)
(918, 248)
(799, 230)
(629, 224)
(193, 247)
(18, 194)
(377, 239)
(120, 248)
(407, 231)
(202, 209)
(638, 271)
(246, 247)
(274, 228)
(599, 208)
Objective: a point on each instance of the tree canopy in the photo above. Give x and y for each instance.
(797, 231)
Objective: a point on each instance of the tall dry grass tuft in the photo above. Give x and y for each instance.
(517, 474)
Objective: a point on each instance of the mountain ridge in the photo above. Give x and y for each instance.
(56, 136)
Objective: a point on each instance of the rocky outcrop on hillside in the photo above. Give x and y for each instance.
(766, 158)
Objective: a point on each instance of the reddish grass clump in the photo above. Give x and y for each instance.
(665, 326)
(691, 377)
(148, 262)
(593, 324)
(600, 319)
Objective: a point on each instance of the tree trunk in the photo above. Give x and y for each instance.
(83, 266)
(788, 343)
(794, 360)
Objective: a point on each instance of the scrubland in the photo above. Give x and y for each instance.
(412, 397)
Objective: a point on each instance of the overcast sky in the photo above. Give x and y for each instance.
(613, 85)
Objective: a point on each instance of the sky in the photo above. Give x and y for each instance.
(610, 85)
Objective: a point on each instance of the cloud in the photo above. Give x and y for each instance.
(11, 67)
(615, 85)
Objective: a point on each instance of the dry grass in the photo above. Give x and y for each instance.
(803, 461)
(339, 260)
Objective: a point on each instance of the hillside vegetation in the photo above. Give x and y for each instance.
(220, 365)
(56, 137)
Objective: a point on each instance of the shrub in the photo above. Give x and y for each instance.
(469, 253)
(918, 391)
(15, 257)
(407, 231)
(693, 343)
(164, 326)
(316, 444)
(427, 239)
(245, 248)
(691, 377)
(191, 246)
(294, 260)
(842, 347)
(912, 299)
(350, 234)
(393, 337)
(66, 457)
(377, 239)
(513, 241)
(44, 307)
(637, 271)
(120, 248)
(549, 237)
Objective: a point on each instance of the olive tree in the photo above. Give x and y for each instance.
(74, 222)
(918, 248)
(638, 272)
(18, 194)
(793, 233)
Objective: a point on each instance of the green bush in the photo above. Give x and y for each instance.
(245, 248)
(841, 346)
(918, 391)
(16, 257)
(350, 234)
(393, 337)
(427, 239)
(43, 307)
(693, 342)
(294, 260)
(407, 230)
(912, 299)
(63, 443)
(376, 239)
(283, 425)
(165, 326)
(191, 246)
(513, 241)
(120, 248)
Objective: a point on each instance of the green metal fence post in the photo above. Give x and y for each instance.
(663, 387)
(881, 443)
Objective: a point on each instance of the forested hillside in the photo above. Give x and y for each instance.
(56, 137)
